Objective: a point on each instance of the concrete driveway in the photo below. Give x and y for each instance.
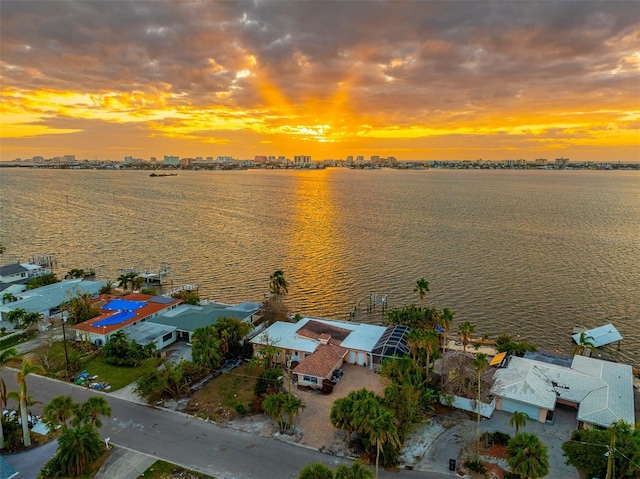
(447, 443)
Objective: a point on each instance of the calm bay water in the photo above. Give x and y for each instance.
(515, 252)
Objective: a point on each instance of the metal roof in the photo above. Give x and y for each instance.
(52, 295)
(602, 389)
(600, 336)
(145, 333)
(189, 318)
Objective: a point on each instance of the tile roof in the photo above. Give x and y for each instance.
(326, 359)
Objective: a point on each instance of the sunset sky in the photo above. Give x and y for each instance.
(418, 80)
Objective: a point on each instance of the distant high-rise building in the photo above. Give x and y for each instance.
(303, 160)
(359, 160)
(171, 160)
(562, 162)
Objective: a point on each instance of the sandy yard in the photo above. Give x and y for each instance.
(317, 430)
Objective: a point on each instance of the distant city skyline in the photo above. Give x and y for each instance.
(414, 80)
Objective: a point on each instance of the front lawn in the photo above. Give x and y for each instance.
(227, 396)
(117, 376)
(165, 470)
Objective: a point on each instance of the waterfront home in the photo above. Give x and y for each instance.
(46, 300)
(20, 273)
(600, 391)
(314, 348)
(124, 313)
(186, 318)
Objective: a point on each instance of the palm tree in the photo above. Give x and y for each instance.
(414, 338)
(123, 281)
(527, 456)
(278, 284)
(91, 410)
(274, 406)
(422, 286)
(27, 368)
(315, 470)
(74, 273)
(58, 412)
(78, 448)
(382, 430)
(8, 298)
(341, 416)
(445, 323)
(292, 407)
(465, 334)
(136, 282)
(107, 288)
(356, 471)
(518, 420)
(480, 363)
(5, 355)
(429, 343)
(584, 343)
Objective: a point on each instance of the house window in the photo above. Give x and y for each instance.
(310, 379)
(167, 337)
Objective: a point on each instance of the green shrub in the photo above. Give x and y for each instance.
(496, 437)
(240, 409)
(475, 466)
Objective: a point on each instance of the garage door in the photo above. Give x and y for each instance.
(361, 359)
(352, 357)
(509, 405)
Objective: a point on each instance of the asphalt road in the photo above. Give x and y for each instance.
(193, 443)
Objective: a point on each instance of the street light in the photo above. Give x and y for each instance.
(65, 316)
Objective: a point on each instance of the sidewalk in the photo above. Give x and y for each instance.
(124, 464)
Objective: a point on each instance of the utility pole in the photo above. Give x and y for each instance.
(610, 453)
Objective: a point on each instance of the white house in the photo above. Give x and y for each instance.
(601, 391)
(315, 348)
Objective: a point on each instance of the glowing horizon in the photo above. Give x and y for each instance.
(414, 80)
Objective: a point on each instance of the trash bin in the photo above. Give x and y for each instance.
(452, 464)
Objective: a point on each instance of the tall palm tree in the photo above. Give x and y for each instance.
(465, 334)
(422, 286)
(518, 420)
(59, 411)
(278, 284)
(527, 456)
(8, 298)
(480, 363)
(27, 368)
(429, 343)
(445, 324)
(5, 355)
(414, 338)
(78, 448)
(381, 427)
(357, 471)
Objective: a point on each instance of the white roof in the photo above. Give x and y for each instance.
(52, 295)
(603, 390)
(600, 336)
(283, 335)
(363, 337)
(611, 403)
